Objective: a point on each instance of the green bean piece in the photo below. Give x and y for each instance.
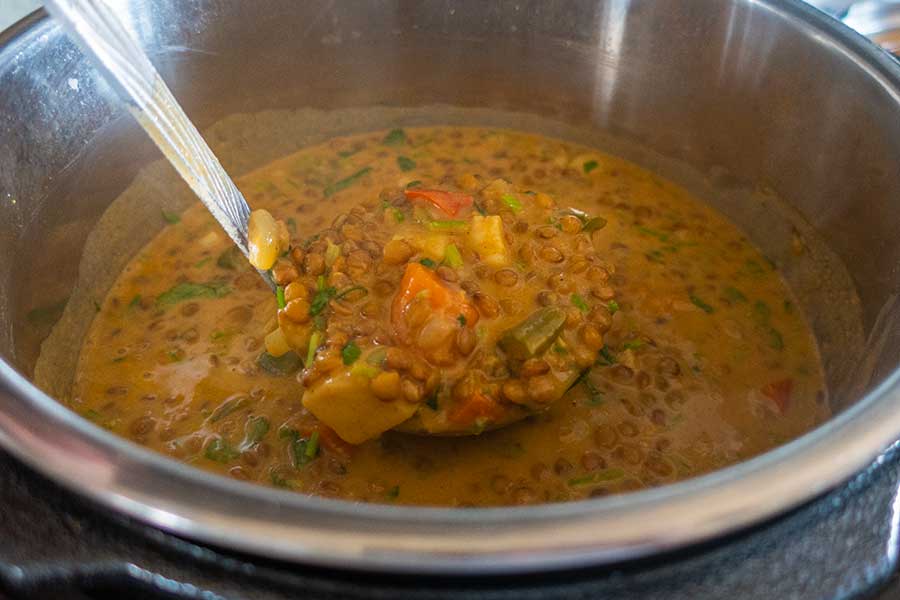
(534, 335)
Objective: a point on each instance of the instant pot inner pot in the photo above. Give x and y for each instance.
(780, 132)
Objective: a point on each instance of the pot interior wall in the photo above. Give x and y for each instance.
(783, 132)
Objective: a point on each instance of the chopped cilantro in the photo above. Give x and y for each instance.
(589, 166)
(413, 184)
(579, 303)
(613, 307)
(278, 365)
(699, 303)
(462, 320)
(350, 353)
(406, 164)
(220, 450)
(230, 258)
(427, 262)
(321, 299)
(605, 357)
(594, 224)
(344, 183)
(187, 290)
(171, 217)
(732, 294)
(395, 137)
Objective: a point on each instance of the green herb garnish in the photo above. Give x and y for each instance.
(314, 340)
(732, 294)
(660, 235)
(226, 408)
(254, 430)
(229, 259)
(427, 262)
(350, 353)
(279, 365)
(220, 450)
(344, 183)
(413, 184)
(303, 451)
(393, 492)
(321, 299)
(406, 164)
(452, 257)
(605, 357)
(594, 393)
(699, 303)
(589, 166)
(395, 137)
(613, 307)
(350, 289)
(291, 225)
(279, 296)
(446, 225)
(761, 312)
(594, 224)
(312, 446)
(202, 262)
(432, 400)
(187, 291)
(632, 344)
(462, 320)
(776, 341)
(579, 303)
(604, 475)
(171, 217)
(512, 202)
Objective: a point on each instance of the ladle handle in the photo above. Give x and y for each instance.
(102, 35)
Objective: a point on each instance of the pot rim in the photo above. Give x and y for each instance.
(285, 525)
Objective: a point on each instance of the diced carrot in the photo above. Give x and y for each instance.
(448, 202)
(474, 408)
(418, 279)
(779, 392)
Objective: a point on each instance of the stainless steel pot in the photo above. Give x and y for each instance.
(760, 98)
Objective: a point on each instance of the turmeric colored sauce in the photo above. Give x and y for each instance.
(706, 362)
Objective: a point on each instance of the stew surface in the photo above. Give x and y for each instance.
(703, 359)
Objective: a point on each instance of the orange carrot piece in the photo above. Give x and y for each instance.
(779, 392)
(448, 202)
(475, 407)
(417, 279)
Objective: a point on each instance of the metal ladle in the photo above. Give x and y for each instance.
(99, 32)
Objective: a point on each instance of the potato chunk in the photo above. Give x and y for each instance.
(347, 404)
(486, 238)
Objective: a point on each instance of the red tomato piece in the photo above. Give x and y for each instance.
(448, 202)
(779, 392)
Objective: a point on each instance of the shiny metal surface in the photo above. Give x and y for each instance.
(97, 29)
(759, 95)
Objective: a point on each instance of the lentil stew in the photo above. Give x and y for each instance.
(675, 346)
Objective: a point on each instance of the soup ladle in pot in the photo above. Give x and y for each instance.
(99, 32)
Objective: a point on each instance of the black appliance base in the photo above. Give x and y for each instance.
(55, 545)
